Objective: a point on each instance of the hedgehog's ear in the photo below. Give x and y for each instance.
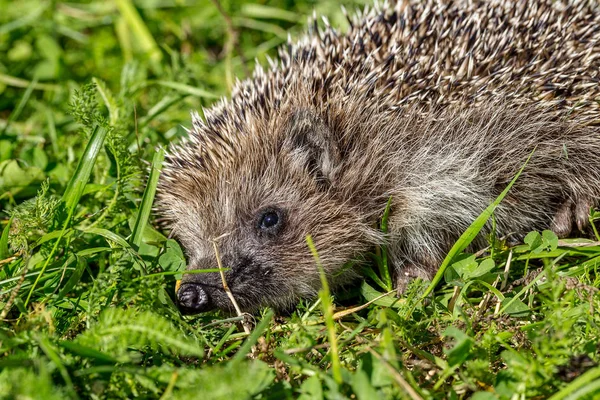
(312, 145)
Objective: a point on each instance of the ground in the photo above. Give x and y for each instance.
(88, 91)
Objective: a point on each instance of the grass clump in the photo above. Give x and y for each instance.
(90, 93)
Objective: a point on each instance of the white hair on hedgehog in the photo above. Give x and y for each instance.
(434, 104)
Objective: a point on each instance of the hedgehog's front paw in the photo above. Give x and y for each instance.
(571, 213)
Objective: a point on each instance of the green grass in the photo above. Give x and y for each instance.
(88, 92)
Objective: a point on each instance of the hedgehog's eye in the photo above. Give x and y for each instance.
(270, 220)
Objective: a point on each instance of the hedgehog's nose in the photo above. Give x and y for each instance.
(192, 299)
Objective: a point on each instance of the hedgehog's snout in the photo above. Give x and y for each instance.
(193, 299)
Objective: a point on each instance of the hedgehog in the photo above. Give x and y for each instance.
(432, 106)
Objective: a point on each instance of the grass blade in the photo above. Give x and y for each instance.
(109, 100)
(55, 358)
(325, 296)
(140, 30)
(187, 89)
(586, 384)
(147, 199)
(266, 12)
(159, 108)
(74, 191)
(84, 169)
(471, 232)
(17, 111)
(23, 83)
(384, 270)
(252, 339)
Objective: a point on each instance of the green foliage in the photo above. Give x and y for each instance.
(117, 332)
(89, 90)
(25, 383)
(33, 218)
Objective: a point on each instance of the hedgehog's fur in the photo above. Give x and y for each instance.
(434, 104)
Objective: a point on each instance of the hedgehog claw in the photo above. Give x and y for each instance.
(562, 224)
(571, 213)
(582, 212)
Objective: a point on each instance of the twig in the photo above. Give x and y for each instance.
(453, 299)
(10, 259)
(348, 311)
(562, 243)
(226, 288)
(15, 291)
(224, 321)
(486, 299)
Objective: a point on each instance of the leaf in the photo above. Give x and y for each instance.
(483, 268)
(172, 259)
(550, 240)
(87, 352)
(40, 159)
(465, 265)
(6, 149)
(119, 330)
(369, 294)
(159, 108)
(152, 236)
(16, 113)
(362, 387)
(47, 348)
(515, 307)
(327, 308)
(384, 268)
(311, 389)
(451, 276)
(246, 381)
(14, 177)
(547, 241)
(4, 252)
(534, 240)
(461, 350)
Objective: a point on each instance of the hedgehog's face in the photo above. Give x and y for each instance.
(257, 212)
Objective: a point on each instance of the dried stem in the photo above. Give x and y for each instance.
(226, 288)
(352, 310)
(15, 291)
(10, 259)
